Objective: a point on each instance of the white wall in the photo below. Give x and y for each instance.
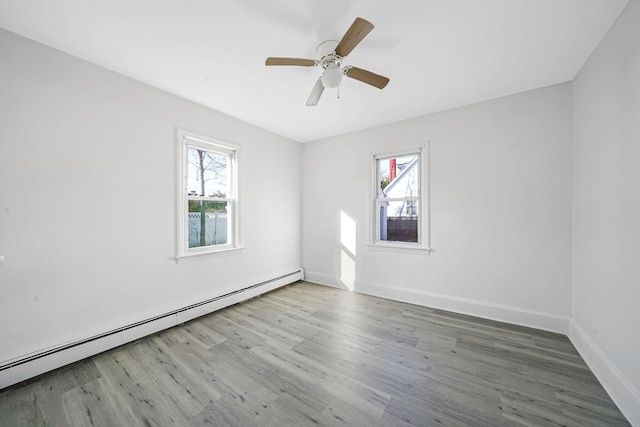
(500, 210)
(83, 149)
(88, 194)
(606, 211)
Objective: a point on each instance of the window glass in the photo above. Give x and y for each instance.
(398, 198)
(208, 223)
(207, 172)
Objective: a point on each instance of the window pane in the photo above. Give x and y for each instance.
(208, 173)
(208, 223)
(398, 221)
(398, 176)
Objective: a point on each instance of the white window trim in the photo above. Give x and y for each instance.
(184, 253)
(423, 245)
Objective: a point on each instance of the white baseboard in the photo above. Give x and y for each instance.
(28, 366)
(322, 279)
(622, 392)
(488, 310)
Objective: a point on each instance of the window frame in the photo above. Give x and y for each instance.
(188, 139)
(422, 246)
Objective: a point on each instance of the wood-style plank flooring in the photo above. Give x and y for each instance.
(312, 355)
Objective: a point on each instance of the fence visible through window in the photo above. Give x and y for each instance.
(402, 229)
(215, 228)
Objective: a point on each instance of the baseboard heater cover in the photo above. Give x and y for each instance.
(284, 279)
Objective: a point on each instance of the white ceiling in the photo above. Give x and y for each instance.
(439, 54)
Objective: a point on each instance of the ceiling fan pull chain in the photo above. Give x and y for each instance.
(338, 92)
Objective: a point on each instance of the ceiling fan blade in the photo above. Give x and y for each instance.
(316, 92)
(354, 35)
(367, 77)
(301, 62)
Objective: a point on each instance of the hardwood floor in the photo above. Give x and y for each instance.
(313, 355)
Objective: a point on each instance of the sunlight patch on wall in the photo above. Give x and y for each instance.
(348, 233)
(348, 251)
(347, 270)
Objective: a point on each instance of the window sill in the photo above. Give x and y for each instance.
(399, 248)
(197, 256)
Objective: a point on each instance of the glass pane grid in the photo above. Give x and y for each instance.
(220, 199)
(397, 199)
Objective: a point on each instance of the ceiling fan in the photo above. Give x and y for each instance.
(331, 53)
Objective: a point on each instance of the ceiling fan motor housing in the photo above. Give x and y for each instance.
(332, 75)
(327, 50)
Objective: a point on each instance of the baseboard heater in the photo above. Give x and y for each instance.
(233, 297)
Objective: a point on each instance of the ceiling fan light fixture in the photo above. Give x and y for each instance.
(331, 77)
(330, 55)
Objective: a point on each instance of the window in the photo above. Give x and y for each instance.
(399, 202)
(208, 195)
